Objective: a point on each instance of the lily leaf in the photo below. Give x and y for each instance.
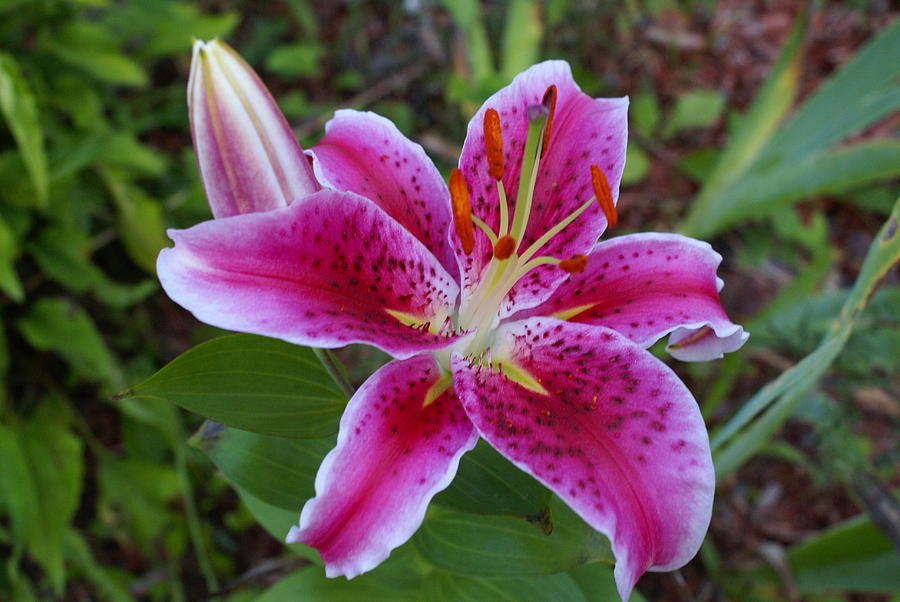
(252, 383)
(487, 546)
(278, 471)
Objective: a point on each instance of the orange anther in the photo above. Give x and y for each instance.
(462, 211)
(604, 195)
(549, 101)
(505, 247)
(493, 144)
(574, 264)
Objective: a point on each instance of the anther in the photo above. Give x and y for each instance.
(604, 195)
(462, 211)
(574, 264)
(549, 101)
(493, 144)
(504, 247)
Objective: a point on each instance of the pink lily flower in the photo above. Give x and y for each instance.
(508, 321)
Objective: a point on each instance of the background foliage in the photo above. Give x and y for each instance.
(771, 131)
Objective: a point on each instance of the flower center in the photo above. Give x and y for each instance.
(510, 262)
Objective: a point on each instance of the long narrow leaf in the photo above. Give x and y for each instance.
(774, 402)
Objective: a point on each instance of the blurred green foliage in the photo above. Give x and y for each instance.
(105, 498)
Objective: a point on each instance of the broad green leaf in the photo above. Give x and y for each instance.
(397, 578)
(9, 280)
(252, 383)
(278, 471)
(853, 555)
(447, 587)
(696, 109)
(277, 521)
(771, 104)
(139, 220)
(490, 546)
(761, 416)
(54, 324)
(19, 109)
(521, 37)
(487, 483)
(123, 150)
(597, 583)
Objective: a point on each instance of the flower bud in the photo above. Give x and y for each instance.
(248, 156)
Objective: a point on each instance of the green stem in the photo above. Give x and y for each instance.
(336, 371)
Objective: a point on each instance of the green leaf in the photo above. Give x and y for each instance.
(54, 324)
(853, 555)
(278, 471)
(637, 164)
(398, 578)
(645, 113)
(761, 416)
(57, 466)
(697, 109)
(252, 383)
(140, 221)
(597, 583)
(301, 59)
(487, 483)
(277, 521)
(831, 172)
(19, 108)
(9, 251)
(756, 128)
(442, 586)
(521, 37)
(78, 553)
(862, 92)
(90, 47)
(489, 546)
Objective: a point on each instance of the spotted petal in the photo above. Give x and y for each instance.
(248, 156)
(365, 153)
(331, 270)
(393, 454)
(605, 425)
(584, 131)
(649, 285)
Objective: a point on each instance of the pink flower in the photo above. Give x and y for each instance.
(520, 329)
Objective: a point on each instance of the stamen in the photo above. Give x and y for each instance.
(604, 195)
(493, 144)
(462, 211)
(504, 247)
(574, 264)
(549, 101)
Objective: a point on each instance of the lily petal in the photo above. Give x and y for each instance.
(248, 156)
(614, 433)
(332, 270)
(649, 285)
(584, 132)
(393, 455)
(365, 153)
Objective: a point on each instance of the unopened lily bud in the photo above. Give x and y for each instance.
(249, 159)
